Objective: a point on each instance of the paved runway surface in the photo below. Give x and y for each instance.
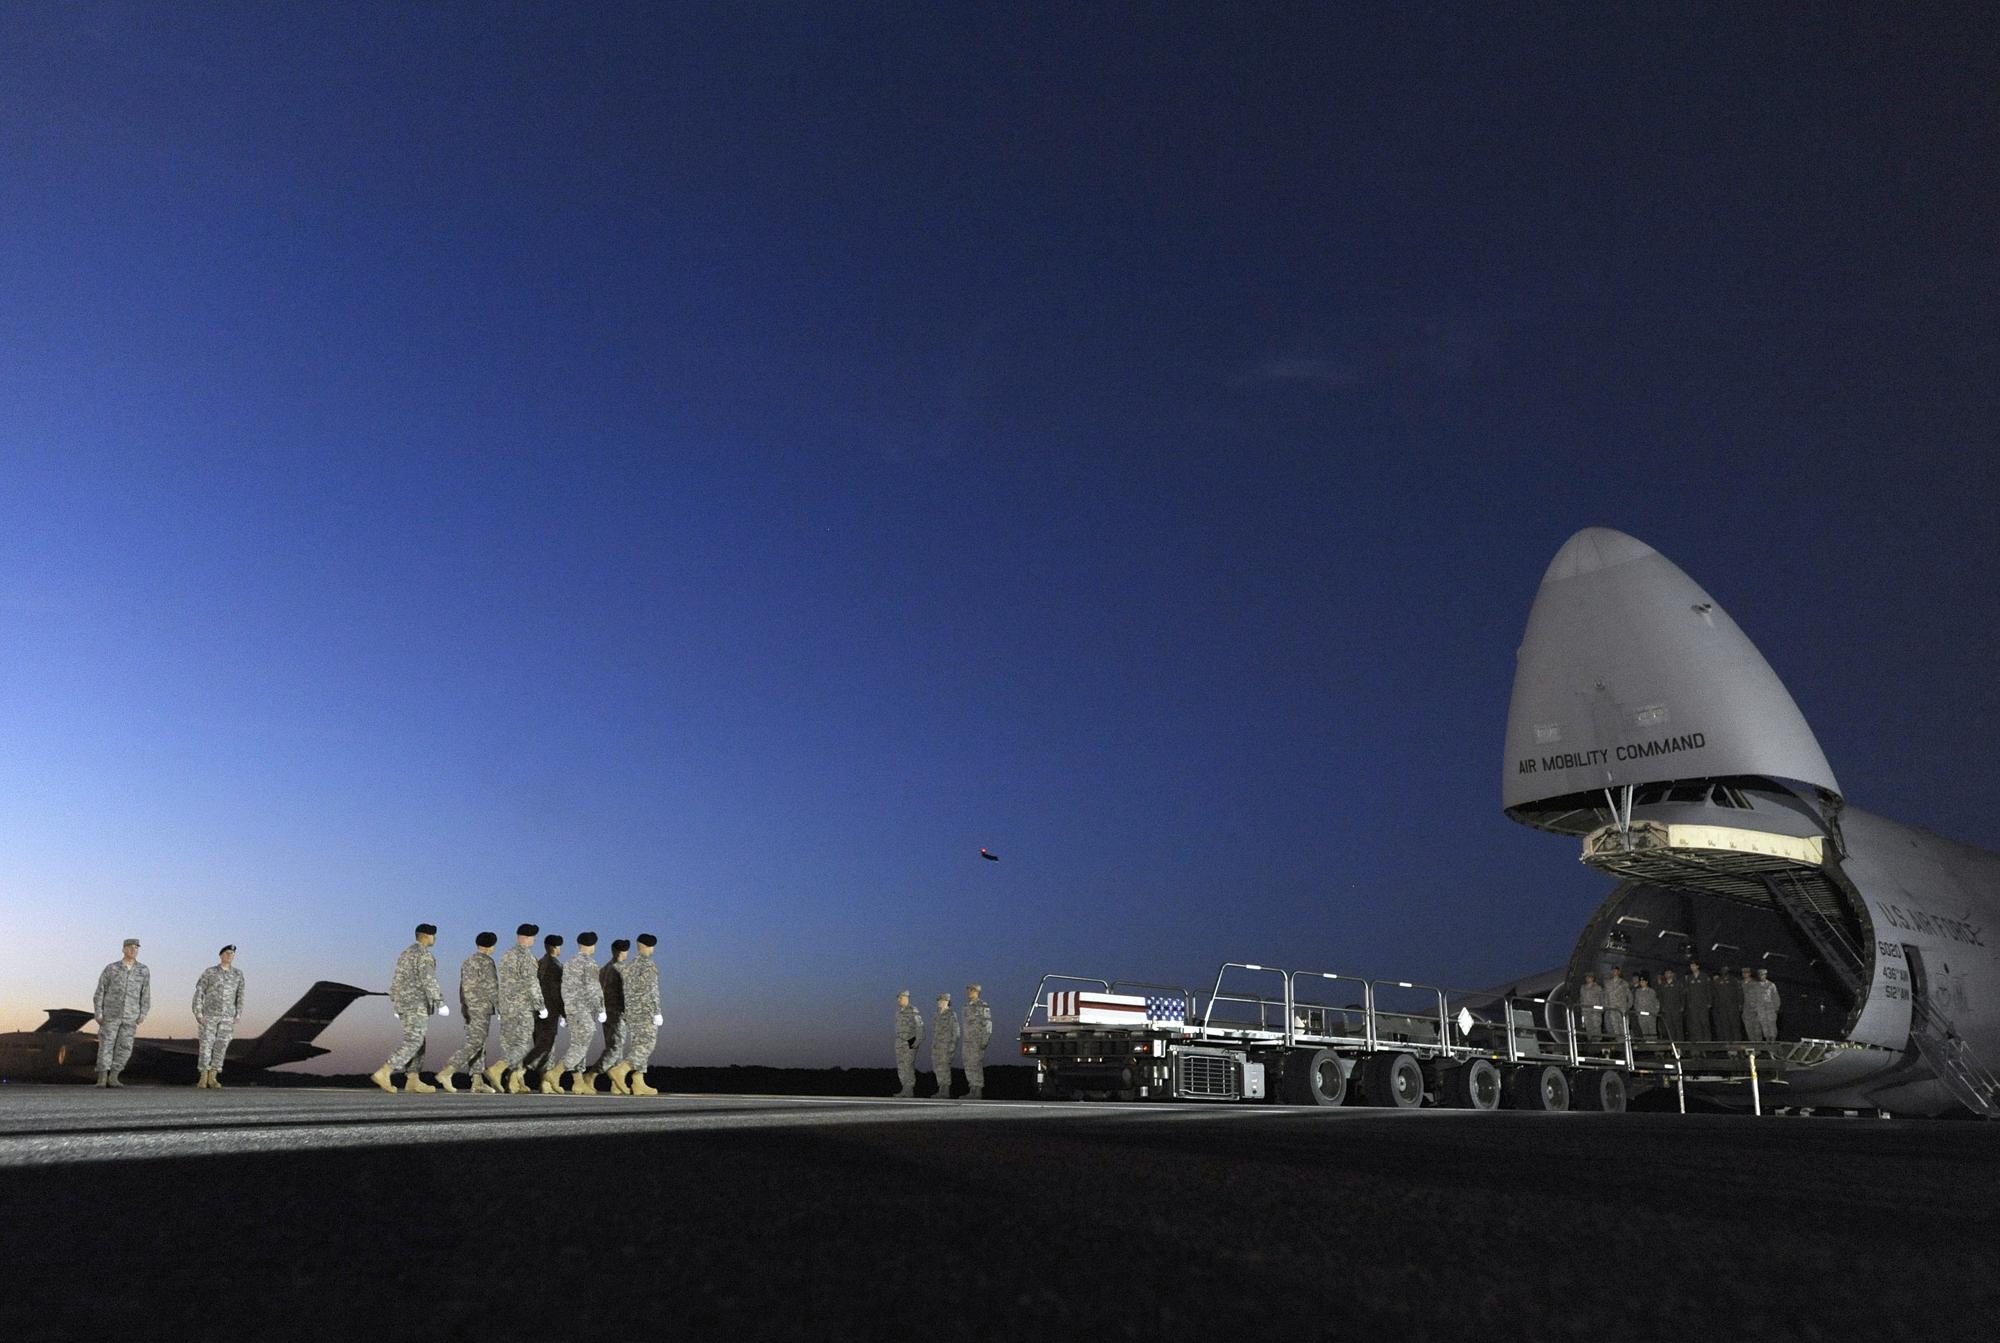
(282, 1213)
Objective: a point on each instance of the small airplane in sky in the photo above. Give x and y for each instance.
(989, 856)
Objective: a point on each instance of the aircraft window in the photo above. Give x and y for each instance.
(1650, 795)
(1725, 796)
(1689, 793)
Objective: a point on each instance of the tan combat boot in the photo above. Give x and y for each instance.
(583, 1084)
(617, 1076)
(380, 1077)
(215, 1079)
(517, 1083)
(201, 1082)
(639, 1087)
(492, 1076)
(480, 1086)
(103, 1080)
(115, 1074)
(552, 1081)
(413, 1081)
(444, 1082)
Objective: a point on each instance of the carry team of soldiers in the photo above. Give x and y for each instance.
(969, 1038)
(533, 1000)
(1723, 1009)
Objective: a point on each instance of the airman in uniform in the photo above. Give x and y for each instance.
(611, 980)
(583, 998)
(550, 971)
(978, 1035)
(521, 1006)
(1646, 1009)
(1590, 1008)
(414, 994)
(218, 1001)
(642, 1018)
(1698, 997)
(124, 998)
(909, 1033)
(944, 1043)
(1673, 1006)
(1617, 1005)
(1727, 1006)
(478, 999)
(1760, 1005)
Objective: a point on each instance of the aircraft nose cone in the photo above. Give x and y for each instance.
(1594, 549)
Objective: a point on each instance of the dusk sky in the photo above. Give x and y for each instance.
(711, 469)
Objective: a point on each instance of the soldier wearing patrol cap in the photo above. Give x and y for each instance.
(944, 1042)
(978, 1035)
(218, 1001)
(124, 998)
(909, 1031)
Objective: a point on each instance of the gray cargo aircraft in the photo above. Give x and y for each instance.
(58, 1049)
(1646, 723)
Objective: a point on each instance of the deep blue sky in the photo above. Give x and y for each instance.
(713, 469)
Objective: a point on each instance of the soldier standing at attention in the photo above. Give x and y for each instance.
(1753, 1014)
(1590, 1008)
(478, 999)
(521, 1006)
(583, 997)
(944, 1042)
(1700, 996)
(414, 994)
(1727, 1006)
(1673, 1006)
(611, 981)
(1646, 1009)
(642, 1018)
(549, 970)
(124, 999)
(1768, 1002)
(909, 1030)
(218, 1001)
(1617, 1004)
(978, 1035)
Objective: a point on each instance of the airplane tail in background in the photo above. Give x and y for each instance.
(290, 1038)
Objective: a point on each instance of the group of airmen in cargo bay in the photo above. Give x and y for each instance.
(1718, 1009)
(532, 998)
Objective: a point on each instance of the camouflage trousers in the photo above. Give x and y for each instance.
(517, 1036)
(580, 1034)
(941, 1065)
(614, 1044)
(473, 1052)
(906, 1067)
(975, 1065)
(641, 1038)
(215, 1037)
(114, 1044)
(410, 1053)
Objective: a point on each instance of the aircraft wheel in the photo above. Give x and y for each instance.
(1599, 1089)
(1538, 1086)
(1394, 1081)
(1472, 1086)
(1314, 1078)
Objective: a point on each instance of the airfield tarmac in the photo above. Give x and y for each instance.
(286, 1212)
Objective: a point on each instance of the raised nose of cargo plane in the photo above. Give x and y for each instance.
(1629, 673)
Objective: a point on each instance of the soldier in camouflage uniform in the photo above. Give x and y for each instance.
(642, 1018)
(1645, 1010)
(218, 1001)
(978, 1035)
(124, 998)
(611, 981)
(549, 970)
(909, 1031)
(521, 1006)
(583, 998)
(478, 999)
(414, 994)
(944, 1042)
(1617, 1006)
(1590, 1008)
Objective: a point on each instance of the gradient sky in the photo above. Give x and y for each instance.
(712, 469)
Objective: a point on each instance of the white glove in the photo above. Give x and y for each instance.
(444, 1009)
(542, 1013)
(602, 1017)
(562, 1021)
(659, 1020)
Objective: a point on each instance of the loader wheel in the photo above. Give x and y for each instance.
(1538, 1086)
(1394, 1081)
(1313, 1078)
(1472, 1086)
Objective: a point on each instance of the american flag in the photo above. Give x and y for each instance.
(1166, 1009)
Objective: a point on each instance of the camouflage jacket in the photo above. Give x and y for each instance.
(124, 992)
(520, 984)
(978, 1024)
(1618, 994)
(549, 970)
(582, 994)
(909, 1027)
(944, 1032)
(414, 988)
(1646, 1001)
(478, 986)
(611, 983)
(218, 994)
(1590, 997)
(642, 986)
